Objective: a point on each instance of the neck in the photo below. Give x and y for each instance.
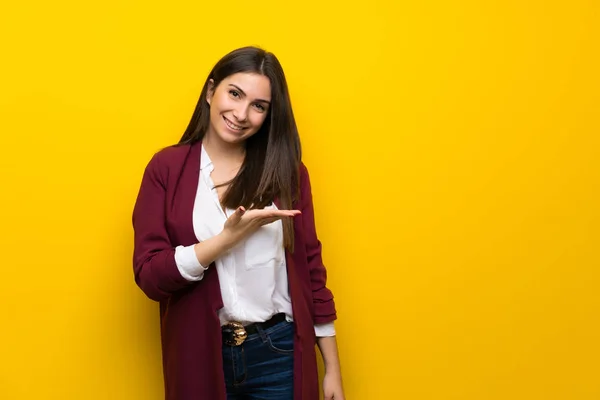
(221, 151)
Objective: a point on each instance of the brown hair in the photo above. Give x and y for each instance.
(271, 166)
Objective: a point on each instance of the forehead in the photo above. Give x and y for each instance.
(254, 85)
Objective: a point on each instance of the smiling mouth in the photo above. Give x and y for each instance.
(233, 126)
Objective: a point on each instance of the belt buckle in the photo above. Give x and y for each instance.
(234, 333)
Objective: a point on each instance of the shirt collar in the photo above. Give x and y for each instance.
(205, 161)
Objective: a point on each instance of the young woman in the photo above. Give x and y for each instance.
(225, 240)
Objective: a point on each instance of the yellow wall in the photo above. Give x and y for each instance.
(454, 153)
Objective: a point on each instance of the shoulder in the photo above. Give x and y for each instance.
(171, 154)
(305, 189)
(303, 173)
(165, 162)
(167, 158)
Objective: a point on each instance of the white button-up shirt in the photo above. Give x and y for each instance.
(253, 274)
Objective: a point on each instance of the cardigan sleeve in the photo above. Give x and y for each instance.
(323, 304)
(154, 265)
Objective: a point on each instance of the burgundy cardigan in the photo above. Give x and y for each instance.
(190, 327)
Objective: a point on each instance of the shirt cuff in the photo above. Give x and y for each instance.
(187, 263)
(325, 330)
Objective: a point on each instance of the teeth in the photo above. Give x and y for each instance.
(233, 126)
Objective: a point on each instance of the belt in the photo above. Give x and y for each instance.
(234, 333)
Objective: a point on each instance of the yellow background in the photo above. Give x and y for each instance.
(454, 153)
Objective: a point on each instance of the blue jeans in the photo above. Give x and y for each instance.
(261, 368)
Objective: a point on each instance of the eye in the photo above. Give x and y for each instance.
(234, 93)
(259, 107)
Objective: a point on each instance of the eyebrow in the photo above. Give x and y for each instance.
(244, 93)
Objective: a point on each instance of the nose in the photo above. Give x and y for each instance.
(241, 112)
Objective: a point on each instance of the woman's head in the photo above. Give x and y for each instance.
(245, 101)
(239, 105)
(248, 89)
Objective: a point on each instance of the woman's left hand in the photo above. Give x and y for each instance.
(332, 387)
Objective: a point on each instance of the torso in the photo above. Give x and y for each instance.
(221, 175)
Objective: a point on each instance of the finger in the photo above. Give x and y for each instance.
(277, 211)
(276, 216)
(284, 213)
(237, 215)
(261, 214)
(292, 212)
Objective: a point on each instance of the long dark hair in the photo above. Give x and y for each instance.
(271, 166)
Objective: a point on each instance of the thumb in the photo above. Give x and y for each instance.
(239, 212)
(236, 216)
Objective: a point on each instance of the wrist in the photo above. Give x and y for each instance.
(225, 240)
(332, 368)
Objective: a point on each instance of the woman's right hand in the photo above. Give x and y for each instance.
(242, 223)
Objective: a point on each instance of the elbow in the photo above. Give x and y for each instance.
(153, 293)
(324, 313)
(158, 276)
(148, 285)
(324, 309)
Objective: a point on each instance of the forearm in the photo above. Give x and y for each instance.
(329, 352)
(209, 250)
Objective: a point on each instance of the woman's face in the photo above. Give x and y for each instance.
(238, 106)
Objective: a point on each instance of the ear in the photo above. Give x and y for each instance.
(211, 91)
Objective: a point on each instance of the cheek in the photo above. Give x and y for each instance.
(217, 107)
(220, 103)
(215, 115)
(258, 119)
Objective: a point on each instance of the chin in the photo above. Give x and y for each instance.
(232, 138)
